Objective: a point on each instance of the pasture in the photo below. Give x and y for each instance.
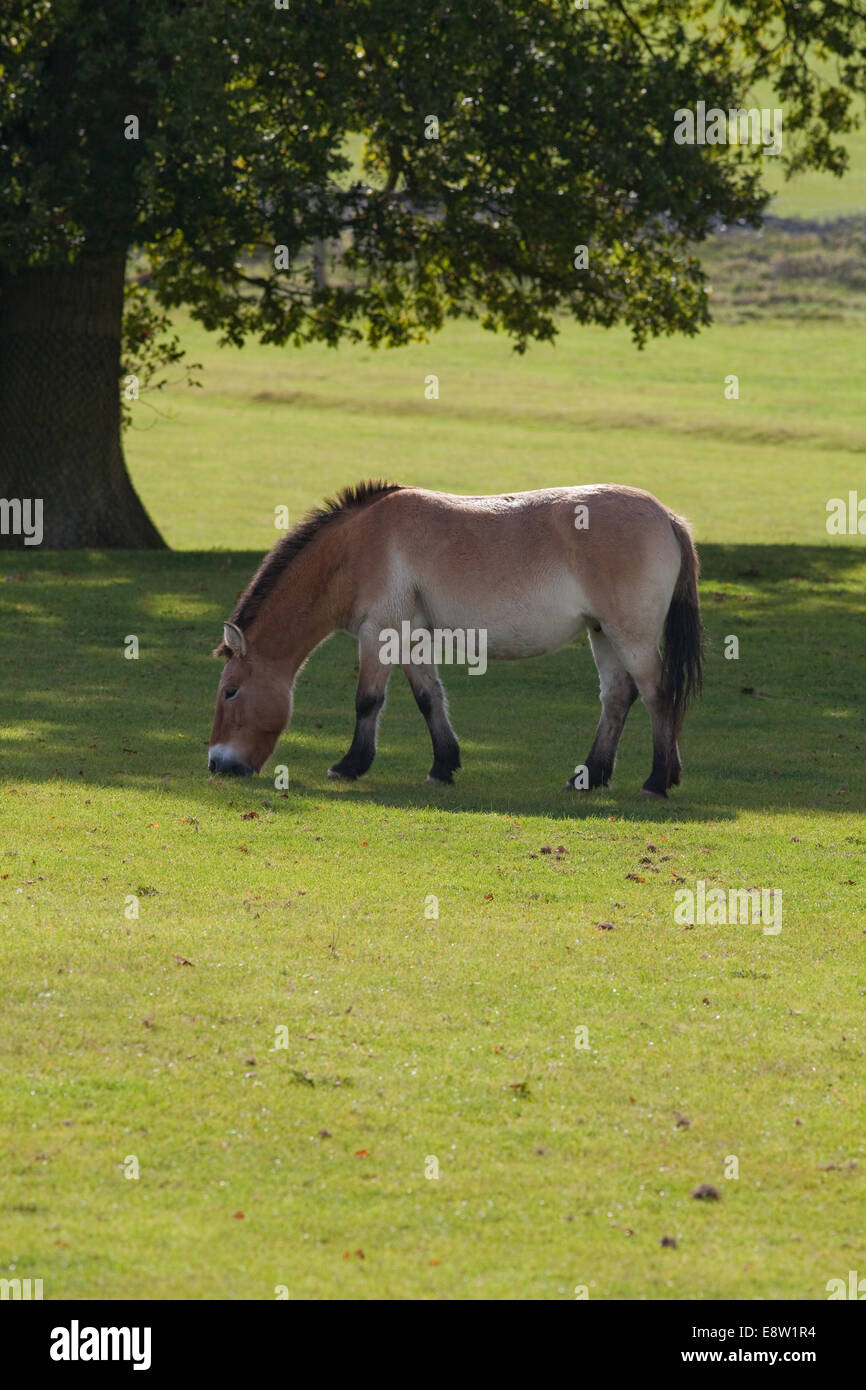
(297, 1159)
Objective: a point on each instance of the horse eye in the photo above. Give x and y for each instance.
(230, 694)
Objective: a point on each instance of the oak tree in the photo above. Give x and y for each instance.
(207, 139)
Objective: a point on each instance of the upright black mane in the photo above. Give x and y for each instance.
(276, 563)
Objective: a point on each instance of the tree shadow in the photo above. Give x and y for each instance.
(782, 726)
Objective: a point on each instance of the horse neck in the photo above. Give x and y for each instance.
(312, 599)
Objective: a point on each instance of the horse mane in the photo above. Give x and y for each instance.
(278, 560)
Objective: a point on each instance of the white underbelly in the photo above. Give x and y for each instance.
(516, 625)
(513, 643)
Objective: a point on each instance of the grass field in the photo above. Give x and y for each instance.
(410, 1037)
(284, 427)
(283, 1039)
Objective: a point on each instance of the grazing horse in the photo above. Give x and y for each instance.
(529, 570)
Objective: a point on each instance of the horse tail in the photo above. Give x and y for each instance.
(682, 659)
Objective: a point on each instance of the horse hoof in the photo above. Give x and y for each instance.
(440, 781)
(337, 776)
(655, 796)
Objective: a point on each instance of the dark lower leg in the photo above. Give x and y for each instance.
(601, 758)
(618, 693)
(369, 700)
(664, 749)
(362, 751)
(430, 699)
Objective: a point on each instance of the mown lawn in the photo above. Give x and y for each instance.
(409, 1037)
(275, 427)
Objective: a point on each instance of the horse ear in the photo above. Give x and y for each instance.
(234, 639)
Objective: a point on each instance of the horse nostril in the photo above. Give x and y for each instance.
(211, 764)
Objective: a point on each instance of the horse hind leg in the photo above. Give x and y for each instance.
(618, 693)
(429, 695)
(646, 668)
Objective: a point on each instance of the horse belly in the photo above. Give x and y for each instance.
(514, 641)
(515, 624)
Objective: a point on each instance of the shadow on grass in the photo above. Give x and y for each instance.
(782, 726)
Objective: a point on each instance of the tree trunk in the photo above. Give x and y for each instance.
(60, 407)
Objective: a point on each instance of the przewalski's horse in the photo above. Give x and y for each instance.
(531, 569)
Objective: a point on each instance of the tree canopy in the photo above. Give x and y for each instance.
(498, 136)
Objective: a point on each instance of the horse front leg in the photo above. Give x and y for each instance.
(369, 702)
(429, 695)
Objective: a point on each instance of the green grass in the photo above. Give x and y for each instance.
(813, 194)
(282, 427)
(794, 271)
(409, 1037)
(819, 195)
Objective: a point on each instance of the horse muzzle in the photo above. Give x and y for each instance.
(224, 763)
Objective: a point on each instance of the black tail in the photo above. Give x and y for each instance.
(682, 660)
